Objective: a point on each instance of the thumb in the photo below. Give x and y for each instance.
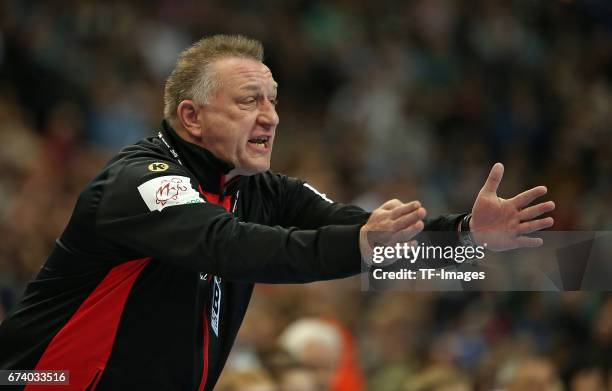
(495, 177)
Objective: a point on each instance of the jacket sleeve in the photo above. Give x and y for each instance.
(162, 215)
(304, 206)
(441, 231)
(301, 205)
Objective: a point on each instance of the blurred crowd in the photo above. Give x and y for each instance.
(378, 99)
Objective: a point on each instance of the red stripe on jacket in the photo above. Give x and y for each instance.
(83, 346)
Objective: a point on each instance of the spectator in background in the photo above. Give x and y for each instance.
(326, 349)
(589, 379)
(535, 374)
(253, 380)
(297, 378)
(439, 379)
(289, 373)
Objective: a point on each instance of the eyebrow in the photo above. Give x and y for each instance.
(255, 87)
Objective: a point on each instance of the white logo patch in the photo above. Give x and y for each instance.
(322, 195)
(162, 192)
(215, 311)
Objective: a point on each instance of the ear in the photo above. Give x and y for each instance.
(187, 114)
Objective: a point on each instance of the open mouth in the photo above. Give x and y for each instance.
(261, 142)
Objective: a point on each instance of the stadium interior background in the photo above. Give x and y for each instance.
(378, 99)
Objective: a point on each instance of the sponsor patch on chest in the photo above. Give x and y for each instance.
(171, 190)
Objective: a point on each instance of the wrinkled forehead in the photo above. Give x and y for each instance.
(236, 72)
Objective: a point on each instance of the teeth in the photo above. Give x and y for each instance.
(260, 142)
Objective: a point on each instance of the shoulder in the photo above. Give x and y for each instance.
(144, 160)
(283, 185)
(143, 170)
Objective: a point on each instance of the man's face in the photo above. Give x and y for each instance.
(239, 122)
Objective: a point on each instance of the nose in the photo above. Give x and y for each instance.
(268, 117)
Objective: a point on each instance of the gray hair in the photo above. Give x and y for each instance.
(192, 76)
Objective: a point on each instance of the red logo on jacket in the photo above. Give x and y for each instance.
(169, 190)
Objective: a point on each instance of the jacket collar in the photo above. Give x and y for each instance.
(208, 169)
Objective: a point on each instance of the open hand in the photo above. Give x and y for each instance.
(503, 223)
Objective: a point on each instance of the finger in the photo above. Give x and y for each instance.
(494, 179)
(391, 204)
(526, 241)
(535, 225)
(526, 197)
(408, 233)
(536, 210)
(404, 209)
(409, 219)
(401, 239)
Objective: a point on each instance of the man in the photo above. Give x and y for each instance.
(150, 281)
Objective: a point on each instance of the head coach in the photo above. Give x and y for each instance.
(149, 283)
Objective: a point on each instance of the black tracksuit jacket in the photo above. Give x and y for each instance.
(149, 283)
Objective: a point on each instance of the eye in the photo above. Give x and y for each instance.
(274, 101)
(249, 100)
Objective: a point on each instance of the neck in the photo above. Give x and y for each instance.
(211, 171)
(230, 175)
(182, 132)
(185, 135)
